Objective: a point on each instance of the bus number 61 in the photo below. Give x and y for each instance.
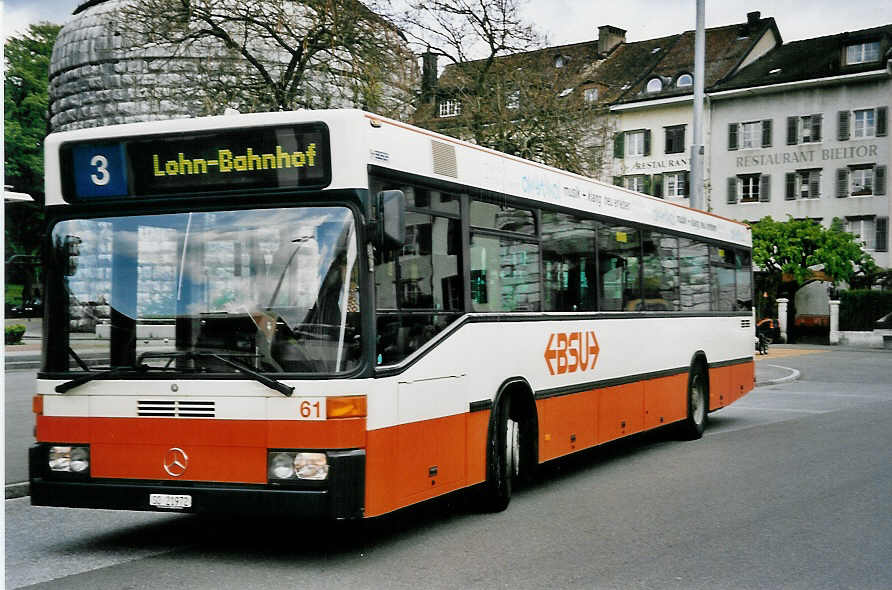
(311, 409)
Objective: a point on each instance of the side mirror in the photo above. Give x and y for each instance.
(391, 218)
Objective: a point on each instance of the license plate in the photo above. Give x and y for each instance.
(170, 501)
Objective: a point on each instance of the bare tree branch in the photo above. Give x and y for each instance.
(273, 54)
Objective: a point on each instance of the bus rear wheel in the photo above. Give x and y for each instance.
(503, 459)
(698, 403)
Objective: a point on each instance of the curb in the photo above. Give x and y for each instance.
(793, 376)
(18, 490)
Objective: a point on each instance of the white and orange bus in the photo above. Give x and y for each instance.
(333, 314)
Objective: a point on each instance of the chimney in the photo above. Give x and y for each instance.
(609, 37)
(428, 76)
(752, 20)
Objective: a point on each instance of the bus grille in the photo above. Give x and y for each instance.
(175, 408)
(745, 323)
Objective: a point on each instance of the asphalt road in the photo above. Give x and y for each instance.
(788, 489)
(19, 423)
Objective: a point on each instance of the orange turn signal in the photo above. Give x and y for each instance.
(351, 406)
(37, 405)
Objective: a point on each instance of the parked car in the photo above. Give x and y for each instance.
(769, 329)
(31, 309)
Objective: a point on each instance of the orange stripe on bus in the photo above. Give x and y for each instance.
(404, 464)
(413, 462)
(218, 450)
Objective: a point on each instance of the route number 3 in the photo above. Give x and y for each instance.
(102, 176)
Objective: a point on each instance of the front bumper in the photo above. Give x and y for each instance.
(341, 497)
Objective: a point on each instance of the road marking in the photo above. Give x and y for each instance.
(774, 353)
(782, 410)
(815, 395)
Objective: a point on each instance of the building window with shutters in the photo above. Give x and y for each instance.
(862, 123)
(881, 244)
(675, 139)
(675, 184)
(803, 184)
(861, 178)
(805, 129)
(863, 229)
(636, 143)
(861, 53)
(749, 135)
(637, 183)
(748, 187)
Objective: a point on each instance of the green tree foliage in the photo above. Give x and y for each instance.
(25, 103)
(798, 248)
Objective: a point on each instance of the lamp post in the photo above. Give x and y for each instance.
(697, 148)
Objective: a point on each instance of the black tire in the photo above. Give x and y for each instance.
(502, 459)
(698, 404)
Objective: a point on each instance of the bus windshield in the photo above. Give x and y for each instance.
(274, 290)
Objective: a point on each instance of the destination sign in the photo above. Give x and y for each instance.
(259, 158)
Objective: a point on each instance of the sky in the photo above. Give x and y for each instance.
(572, 21)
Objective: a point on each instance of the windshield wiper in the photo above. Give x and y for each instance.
(242, 368)
(138, 369)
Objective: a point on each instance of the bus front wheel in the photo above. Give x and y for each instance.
(503, 458)
(698, 403)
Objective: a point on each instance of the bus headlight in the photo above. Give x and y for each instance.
(69, 459)
(295, 465)
(281, 466)
(311, 466)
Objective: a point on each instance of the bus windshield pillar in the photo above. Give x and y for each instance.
(123, 296)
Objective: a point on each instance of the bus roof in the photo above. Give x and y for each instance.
(359, 139)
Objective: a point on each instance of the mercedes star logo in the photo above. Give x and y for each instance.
(175, 462)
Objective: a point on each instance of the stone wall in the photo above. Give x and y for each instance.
(96, 79)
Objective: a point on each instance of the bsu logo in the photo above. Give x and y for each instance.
(571, 352)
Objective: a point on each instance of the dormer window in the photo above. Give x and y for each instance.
(654, 85)
(861, 53)
(591, 95)
(560, 61)
(684, 80)
(450, 108)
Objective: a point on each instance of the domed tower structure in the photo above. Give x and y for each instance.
(94, 80)
(105, 70)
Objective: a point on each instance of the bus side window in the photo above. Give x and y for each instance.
(418, 287)
(660, 264)
(744, 281)
(568, 254)
(619, 253)
(693, 259)
(724, 290)
(504, 274)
